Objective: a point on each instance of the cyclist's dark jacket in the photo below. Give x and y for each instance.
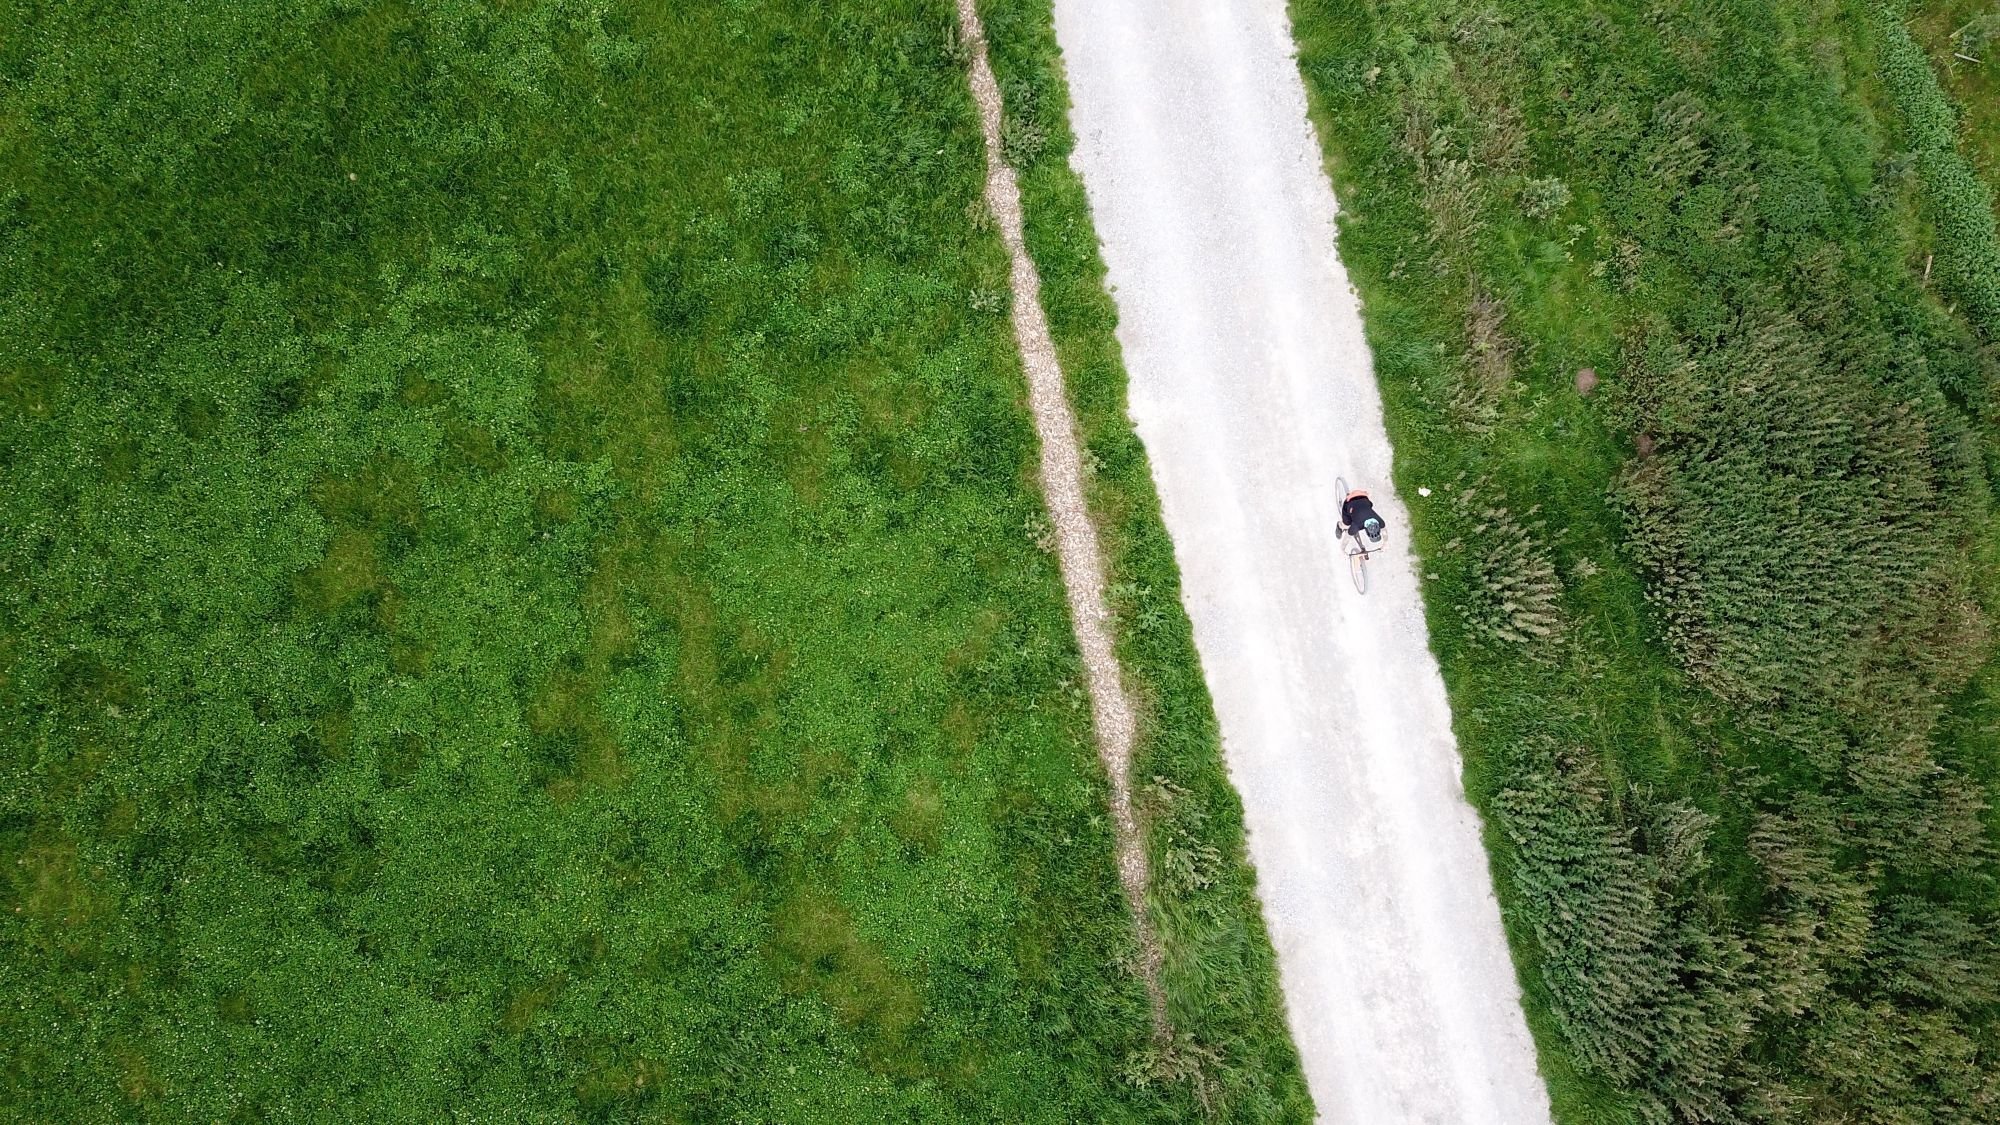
(1357, 511)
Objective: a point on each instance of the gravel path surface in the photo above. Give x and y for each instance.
(1252, 388)
(1062, 489)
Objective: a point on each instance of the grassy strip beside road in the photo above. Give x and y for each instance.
(521, 591)
(1714, 635)
(1220, 975)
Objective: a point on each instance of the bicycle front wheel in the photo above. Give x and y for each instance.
(1357, 565)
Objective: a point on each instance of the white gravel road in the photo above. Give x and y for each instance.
(1252, 388)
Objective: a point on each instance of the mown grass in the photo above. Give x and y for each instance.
(521, 589)
(1734, 783)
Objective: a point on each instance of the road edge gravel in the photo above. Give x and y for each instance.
(1078, 553)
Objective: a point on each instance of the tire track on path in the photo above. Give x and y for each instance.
(1077, 550)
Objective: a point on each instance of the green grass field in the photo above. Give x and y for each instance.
(1717, 635)
(521, 594)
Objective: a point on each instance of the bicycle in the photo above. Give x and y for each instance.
(1358, 554)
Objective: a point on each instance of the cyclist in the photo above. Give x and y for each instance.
(1357, 515)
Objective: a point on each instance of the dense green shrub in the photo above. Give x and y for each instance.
(1512, 592)
(1961, 204)
(1648, 990)
(1788, 503)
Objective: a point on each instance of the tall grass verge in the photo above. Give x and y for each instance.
(1737, 811)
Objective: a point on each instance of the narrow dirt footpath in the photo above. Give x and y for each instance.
(1252, 388)
(1062, 488)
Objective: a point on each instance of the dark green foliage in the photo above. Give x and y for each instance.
(1960, 37)
(514, 598)
(1744, 836)
(1802, 484)
(1512, 593)
(1647, 990)
(1960, 203)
